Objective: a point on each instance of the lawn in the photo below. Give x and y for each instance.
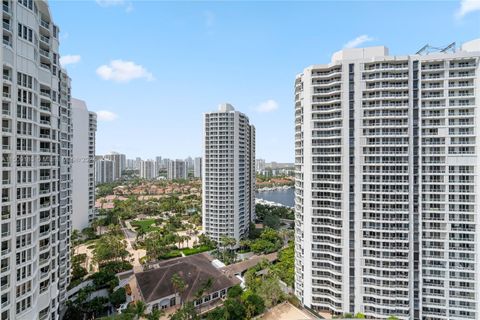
(145, 225)
(199, 249)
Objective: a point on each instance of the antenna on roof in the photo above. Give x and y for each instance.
(451, 46)
(424, 48)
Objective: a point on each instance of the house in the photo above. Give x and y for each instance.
(155, 287)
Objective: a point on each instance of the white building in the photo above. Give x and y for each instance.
(158, 161)
(176, 169)
(83, 165)
(197, 167)
(387, 187)
(119, 163)
(228, 182)
(36, 165)
(148, 169)
(104, 170)
(259, 165)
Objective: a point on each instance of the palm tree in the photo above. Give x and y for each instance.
(138, 309)
(179, 285)
(155, 314)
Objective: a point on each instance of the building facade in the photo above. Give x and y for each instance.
(228, 182)
(119, 163)
(386, 160)
(197, 167)
(83, 165)
(36, 165)
(104, 170)
(148, 169)
(176, 169)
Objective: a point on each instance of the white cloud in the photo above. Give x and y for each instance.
(267, 106)
(466, 7)
(358, 41)
(104, 115)
(123, 71)
(209, 18)
(69, 59)
(116, 3)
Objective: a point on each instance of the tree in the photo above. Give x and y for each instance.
(179, 285)
(272, 221)
(186, 312)
(138, 309)
(234, 292)
(118, 297)
(254, 304)
(110, 248)
(155, 314)
(219, 313)
(235, 309)
(270, 291)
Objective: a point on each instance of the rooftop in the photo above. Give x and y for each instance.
(195, 270)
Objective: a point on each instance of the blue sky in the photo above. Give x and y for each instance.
(152, 68)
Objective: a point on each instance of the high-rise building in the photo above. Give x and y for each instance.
(119, 163)
(148, 169)
(83, 164)
(197, 167)
(104, 170)
(130, 164)
(386, 159)
(259, 165)
(189, 162)
(158, 161)
(228, 182)
(176, 169)
(36, 181)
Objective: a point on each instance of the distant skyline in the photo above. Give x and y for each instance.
(150, 69)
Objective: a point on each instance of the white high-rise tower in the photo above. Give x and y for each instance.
(387, 189)
(36, 165)
(83, 166)
(228, 174)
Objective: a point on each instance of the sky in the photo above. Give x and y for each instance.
(150, 69)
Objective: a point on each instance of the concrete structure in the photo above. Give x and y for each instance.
(387, 189)
(197, 167)
(176, 169)
(119, 163)
(83, 165)
(228, 182)
(189, 162)
(148, 169)
(36, 180)
(104, 170)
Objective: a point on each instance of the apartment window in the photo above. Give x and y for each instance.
(24, 304)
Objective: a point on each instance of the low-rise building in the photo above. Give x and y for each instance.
(156, 289)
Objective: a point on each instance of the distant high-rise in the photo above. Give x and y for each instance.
(228, 182)
(83, 166)
(119, 163)
(387, 192)
(130, 164)
(189, 163)
(36, 171)
(159, 163)
(197, 167)
(104, 170)
(148, 169)
(259, 165)
(176, 169)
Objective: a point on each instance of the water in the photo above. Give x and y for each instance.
(285, 197)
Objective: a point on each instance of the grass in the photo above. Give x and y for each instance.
(145, 225)
(195, 250)
(170, 255)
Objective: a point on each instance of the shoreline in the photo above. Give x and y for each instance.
(270, 203)
(280, 188)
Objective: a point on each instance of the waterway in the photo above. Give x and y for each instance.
(282, 196)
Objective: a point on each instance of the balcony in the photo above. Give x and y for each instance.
(45, 24)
